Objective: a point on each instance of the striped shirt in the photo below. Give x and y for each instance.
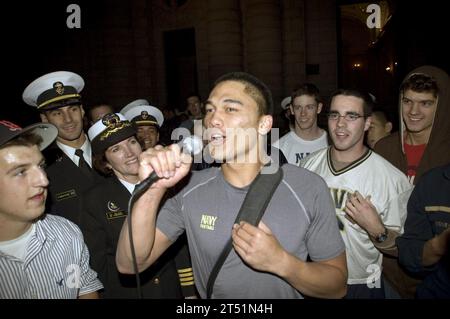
(56, 265)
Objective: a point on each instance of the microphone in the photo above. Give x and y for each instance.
(191, 145)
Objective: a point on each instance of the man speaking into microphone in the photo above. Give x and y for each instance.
(267, 260)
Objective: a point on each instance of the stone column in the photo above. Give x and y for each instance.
(263, 42)
(224, 38)
(143, 51)
(294, 56)
(321, 43)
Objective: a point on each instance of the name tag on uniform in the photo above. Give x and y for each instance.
(113, 215)
(66, 195)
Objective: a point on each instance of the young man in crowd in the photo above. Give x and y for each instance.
(148, 120)
(57, 97)
(307, 136)
(41, 256)
(422, 143)
(380, 127)
(369, 193)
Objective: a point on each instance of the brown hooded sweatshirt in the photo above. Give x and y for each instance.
(437, 153)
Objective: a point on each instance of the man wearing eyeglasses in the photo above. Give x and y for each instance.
(369, 193)
(307, 136)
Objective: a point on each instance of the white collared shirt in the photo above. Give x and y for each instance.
(128, 186)
(70, 152)
(56, 265)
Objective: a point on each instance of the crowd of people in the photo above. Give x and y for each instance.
(361, 211)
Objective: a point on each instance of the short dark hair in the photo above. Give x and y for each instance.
(420, 82)
(97, 105)
(254, 87)
(192, 94)
(307, 89)
(368, 104)
(26, 139)
(100, 164)
(382, 115)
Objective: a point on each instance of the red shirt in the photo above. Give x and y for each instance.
(414, 154)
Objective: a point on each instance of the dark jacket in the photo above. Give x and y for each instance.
(428, 216)
(104, 212)
(67, 183)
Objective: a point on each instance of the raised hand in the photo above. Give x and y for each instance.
(169, 163)
(363, 212)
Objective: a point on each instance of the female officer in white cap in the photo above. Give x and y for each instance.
(116, 154)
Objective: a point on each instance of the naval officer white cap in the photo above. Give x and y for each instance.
(111, 129)
(53, 90)
(142, 113)
(286, 102)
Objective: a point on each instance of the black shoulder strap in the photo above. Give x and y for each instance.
(255, 203)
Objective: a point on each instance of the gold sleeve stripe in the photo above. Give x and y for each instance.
(183, 270)
(445, 209)
(189, 283)
(186, 274)
(191, 278)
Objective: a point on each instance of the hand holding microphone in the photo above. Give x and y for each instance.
(163, 167)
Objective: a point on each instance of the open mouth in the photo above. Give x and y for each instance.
(414, 119)
(40, 197)
(341, 134)
(217, 138)
(69, 128)
(131, 162)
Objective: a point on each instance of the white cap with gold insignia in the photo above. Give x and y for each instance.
(53, 90)
(111, 129)
(142, 113)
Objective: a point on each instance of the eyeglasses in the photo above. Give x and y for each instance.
(334, 116)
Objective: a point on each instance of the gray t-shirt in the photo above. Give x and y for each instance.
(300, 215)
